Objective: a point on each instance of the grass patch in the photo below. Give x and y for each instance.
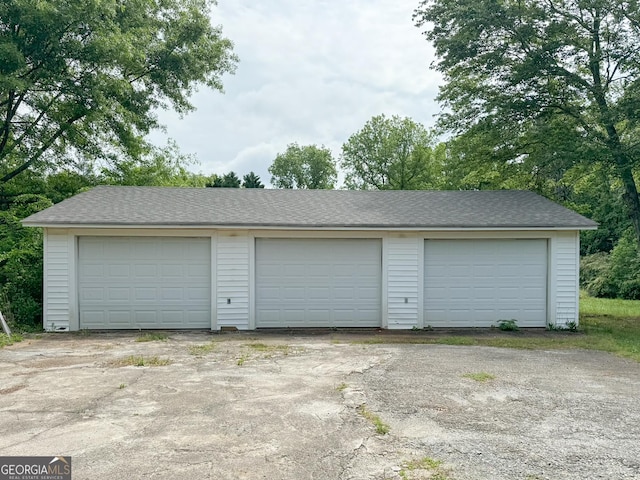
(613, 307)
(152, 337)
(140, 361)
(201, 350)
(479, 376)
(263, 347)
(425, 463)
(263, 350)
(341, 387)
(426, 467)
(242, 359)
(6, 340)
(609, 325)
(381, 427)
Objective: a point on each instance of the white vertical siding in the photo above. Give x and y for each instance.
(57, 282)
(565, 288)
(402, 282)
(232, 280)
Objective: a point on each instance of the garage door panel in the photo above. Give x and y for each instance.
(168, 271)
(319, 293)
(145, 271)
(119, 318)
(479, 282)
(144, 282)
(145, 318)
(118, 294)
(145, 293)
(318, 283)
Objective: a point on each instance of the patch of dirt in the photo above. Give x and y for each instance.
(15, 388)
(57, 362)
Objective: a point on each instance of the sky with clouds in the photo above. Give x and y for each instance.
(310, 71)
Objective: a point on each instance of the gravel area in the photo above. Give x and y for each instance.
(271, 406)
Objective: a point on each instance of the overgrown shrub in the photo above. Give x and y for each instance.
(595, 275)
(21, 263)
(615, 275)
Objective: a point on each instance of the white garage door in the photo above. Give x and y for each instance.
(476, 283)
(318, 283)
(144, 282)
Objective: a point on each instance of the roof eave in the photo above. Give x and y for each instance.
(416, 228)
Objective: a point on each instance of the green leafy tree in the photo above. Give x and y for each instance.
(21, 262)
(159, 167)
(82, 79)
(308, 166)
(251, 180)
(228, 180)
(390, 153)
(549, 83)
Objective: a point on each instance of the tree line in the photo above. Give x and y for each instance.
(543, 96)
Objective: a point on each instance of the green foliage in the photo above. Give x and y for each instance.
(21, 263)
(228, 180)
(390, 154)
(251, 180)
(535, 89)
(6, 340)
(594, 275)
(165, 167)
(308, 166)
(614, 275)
(508, 325)
(82, 80)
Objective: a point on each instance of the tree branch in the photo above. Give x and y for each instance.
(6, 128)
(29, 128)
(43, 148)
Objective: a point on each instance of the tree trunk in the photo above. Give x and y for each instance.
(630, 197)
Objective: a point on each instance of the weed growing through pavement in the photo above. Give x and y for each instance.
(153, 337)
(201, 350)
(140, 361)
(381, 427)
(263, 347)
(242, 359)
(479, 376)
(425, 467)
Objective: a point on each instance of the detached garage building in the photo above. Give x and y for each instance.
(156, 257)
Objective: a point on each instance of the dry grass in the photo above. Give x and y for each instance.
(141, 361)
(153, 337)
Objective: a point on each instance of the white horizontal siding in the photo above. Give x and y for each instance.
(566, 288)
(232, 281)
(402, 282)
(57, 282)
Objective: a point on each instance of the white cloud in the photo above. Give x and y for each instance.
(310, 71)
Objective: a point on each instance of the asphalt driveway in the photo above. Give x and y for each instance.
(240, 406)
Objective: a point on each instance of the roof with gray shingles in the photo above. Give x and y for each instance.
(222, 207)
